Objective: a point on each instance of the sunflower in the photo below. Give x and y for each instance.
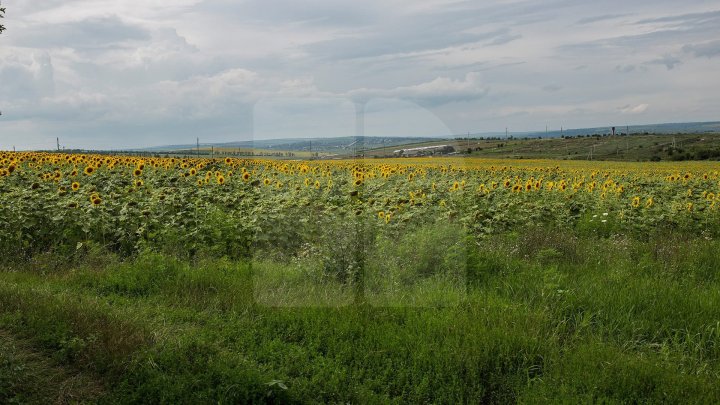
(649, 203)
(246, 176)
(635, 202)
(710, 196)
(75, 186)
(96, 201)
(73, 205)
(137, 172)
(381, 214)
(193, 171)
(267, 182)
(89, 170)
(221, 179)
(139, 183)
(358, 182)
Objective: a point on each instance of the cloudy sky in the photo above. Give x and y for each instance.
(116, 74)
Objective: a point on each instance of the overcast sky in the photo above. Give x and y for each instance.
(116, 74)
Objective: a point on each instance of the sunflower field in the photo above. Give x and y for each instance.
(236, 207)
(186, 280)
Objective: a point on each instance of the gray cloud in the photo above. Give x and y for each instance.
(504, 38)
(439, 91)
(404, 41)
(668, 61)
(705, 49)
(604, 17)
(312, 12)
(552, 88)
(91, 33)
(685, 19)
(625, 68)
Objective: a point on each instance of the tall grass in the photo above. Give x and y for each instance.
(534, 316)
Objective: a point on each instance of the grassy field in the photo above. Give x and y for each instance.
(128, 280)
(636, 147)
(539, 317)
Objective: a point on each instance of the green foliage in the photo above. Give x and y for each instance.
(544, 318)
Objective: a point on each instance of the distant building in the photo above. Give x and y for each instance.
(424, 151)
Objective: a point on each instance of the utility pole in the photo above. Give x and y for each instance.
(198, 147)
(506, 133)
(58, 143)
(468, 140)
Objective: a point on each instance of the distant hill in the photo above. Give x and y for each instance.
(327, 145)
(669, 128)
(344, 145)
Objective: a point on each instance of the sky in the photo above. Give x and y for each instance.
(106, 74)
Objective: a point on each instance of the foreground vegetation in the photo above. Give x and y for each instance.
(195, 280)
(539, 317)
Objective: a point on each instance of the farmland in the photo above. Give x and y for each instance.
(367, 280)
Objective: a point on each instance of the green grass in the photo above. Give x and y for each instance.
(636, 147)
(541, 316)
(28, 377)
